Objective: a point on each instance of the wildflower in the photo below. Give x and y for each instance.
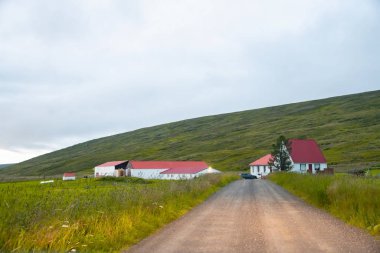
(65, 226)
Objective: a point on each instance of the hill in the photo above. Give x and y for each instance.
(3, 166)
(347, 128)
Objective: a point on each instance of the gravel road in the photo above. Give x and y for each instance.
(257, 216)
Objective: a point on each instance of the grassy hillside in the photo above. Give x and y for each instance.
(3, 166)
(347, 129)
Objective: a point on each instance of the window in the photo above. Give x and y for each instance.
(303, 167)
(317, 166)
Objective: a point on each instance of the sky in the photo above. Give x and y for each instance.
(75, 70)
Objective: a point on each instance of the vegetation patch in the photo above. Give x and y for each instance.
(356, 200)
(91, 215)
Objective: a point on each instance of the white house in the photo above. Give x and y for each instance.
(305, 155)
(261, 167)
(111, 169)
(68, 176)
(168, 169)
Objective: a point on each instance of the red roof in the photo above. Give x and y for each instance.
(306, 151)
(183, 171)
(109, 164)
(262, 161)
(69, 174)
(168, 165)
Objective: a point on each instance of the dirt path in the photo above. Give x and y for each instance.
(257, 216)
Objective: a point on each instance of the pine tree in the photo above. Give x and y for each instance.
(281, 154)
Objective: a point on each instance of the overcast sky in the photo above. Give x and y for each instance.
(73, 70)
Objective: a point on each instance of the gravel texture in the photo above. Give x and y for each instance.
(257, 216)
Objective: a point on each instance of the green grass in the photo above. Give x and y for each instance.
(374, 172)
(347, 129)
(91, 215)
(356, 200)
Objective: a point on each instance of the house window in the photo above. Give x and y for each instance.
(303, 167)
(317, 166)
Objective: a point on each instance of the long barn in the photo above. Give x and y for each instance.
(169, 169)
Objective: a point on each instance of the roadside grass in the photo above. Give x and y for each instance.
(356, 200)
(374, 172)
(91, 215)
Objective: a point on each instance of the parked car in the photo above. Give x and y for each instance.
(248, 176)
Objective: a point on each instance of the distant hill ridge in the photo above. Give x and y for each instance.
(3, 166)
(347, 128)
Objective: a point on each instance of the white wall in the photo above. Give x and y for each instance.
(297, 167)
(208, 171)
(177, 176)
(155, 174)
(260, 170)
(104, 171)
(147, 173)
(68, 178)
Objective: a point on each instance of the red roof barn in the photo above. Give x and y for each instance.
(68, 176)
(169, 169)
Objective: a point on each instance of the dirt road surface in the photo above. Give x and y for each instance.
(257, 216)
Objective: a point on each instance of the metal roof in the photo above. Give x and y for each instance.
(262, 161)
(183, 171)
(306, 151)
(168, 165)
(109, 164)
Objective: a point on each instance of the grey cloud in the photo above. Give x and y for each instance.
(69, 69)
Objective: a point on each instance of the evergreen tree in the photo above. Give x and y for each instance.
(281, 154)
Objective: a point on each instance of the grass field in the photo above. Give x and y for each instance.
(353, 199)
(91, 215)
(347, 129)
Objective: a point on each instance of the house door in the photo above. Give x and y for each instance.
(310, 170)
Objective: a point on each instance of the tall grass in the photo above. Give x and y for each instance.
(355, 200)
(94, 215)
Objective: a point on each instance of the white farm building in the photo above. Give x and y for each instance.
(168, 169)
(261, 167)
(305, 155)
(111, 169)
(68, 176)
